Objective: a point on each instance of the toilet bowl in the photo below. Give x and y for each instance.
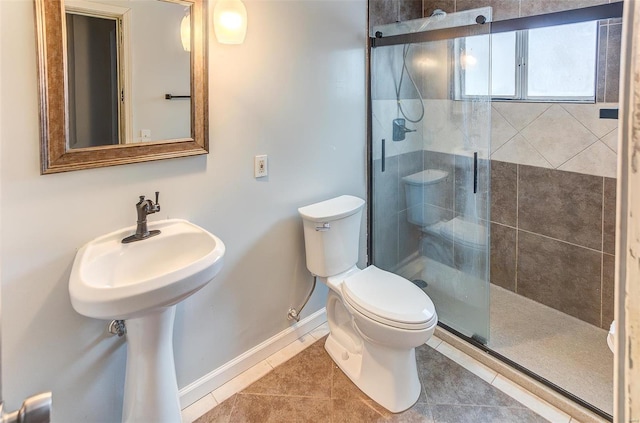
(376, 318)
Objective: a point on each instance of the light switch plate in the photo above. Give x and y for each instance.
(260, 166)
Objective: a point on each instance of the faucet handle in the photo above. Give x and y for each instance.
(141, 199)
(156, 206)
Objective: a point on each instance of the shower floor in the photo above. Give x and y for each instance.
(568, 352)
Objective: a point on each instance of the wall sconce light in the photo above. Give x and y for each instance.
(185, 31)
(230, 21)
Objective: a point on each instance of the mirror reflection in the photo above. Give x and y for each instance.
(128, 72)
(136, 89)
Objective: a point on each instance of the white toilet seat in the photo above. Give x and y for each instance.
(389, 299)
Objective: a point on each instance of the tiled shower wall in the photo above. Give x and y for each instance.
(552, 231)
(553, 238)
(549, 188)
(569, 137)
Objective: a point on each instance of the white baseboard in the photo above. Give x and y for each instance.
(209, 382)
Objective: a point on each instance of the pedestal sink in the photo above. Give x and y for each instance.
(141, 283)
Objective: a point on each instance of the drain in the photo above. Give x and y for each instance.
(419, 283)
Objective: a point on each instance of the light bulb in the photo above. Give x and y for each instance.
(230, 21)
(185, 32)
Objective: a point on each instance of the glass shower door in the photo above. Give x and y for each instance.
(430, 145)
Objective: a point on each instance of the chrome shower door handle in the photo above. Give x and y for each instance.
(475, 172)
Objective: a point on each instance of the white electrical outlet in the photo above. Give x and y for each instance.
(260, 166)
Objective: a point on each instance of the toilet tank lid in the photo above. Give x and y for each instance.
(426, 177)
(332, 209)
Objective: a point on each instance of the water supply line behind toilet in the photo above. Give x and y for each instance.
(294, 313)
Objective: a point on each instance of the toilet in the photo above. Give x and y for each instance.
(425, 192)
(376, 318)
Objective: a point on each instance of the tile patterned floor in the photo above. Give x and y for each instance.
(311, 388)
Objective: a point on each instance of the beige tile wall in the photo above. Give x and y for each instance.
(568, 137)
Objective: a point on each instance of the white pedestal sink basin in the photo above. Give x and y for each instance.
(140, 283)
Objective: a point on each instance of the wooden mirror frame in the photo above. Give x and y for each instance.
(55, 156)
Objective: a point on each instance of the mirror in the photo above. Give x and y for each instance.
(121, 81)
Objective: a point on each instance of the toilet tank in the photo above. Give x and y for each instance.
(425, 193)
(332, 234)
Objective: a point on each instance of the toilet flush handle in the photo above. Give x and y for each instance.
(325, 227)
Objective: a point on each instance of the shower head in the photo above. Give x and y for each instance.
(439, 14)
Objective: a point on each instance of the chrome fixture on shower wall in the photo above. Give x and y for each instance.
(400, 130)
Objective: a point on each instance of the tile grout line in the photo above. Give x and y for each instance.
(534, 147)
(515, 282)
(477, 369)
(530, 396)
(605, 136)
(582, 123)
(602, 258)
(496, 378)
(503, 145)
(575, 155)
(503, 224)
(561, 240)
(491, 151)
(299, 339)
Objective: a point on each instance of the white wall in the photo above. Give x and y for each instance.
(294, 91)
(159, 66)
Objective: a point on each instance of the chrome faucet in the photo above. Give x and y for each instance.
(144, 208)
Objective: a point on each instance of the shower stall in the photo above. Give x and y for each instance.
(459, 106)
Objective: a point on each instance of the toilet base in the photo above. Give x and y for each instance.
(388, 376)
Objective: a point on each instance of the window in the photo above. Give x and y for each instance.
(545, 64)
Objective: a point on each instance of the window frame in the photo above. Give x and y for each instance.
(521, 74)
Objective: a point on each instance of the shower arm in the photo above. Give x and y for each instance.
(294, 314)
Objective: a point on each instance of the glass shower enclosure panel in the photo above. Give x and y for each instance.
(430, 140)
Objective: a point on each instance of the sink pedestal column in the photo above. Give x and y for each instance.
(150, 387)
